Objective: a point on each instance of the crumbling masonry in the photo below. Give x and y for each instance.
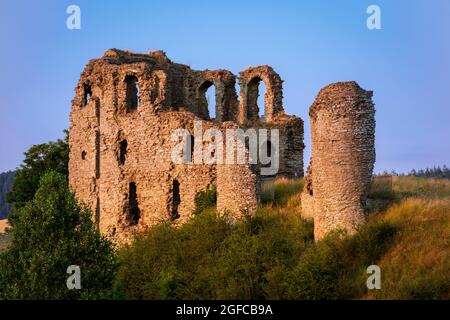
(127, 107)
(343, 155)
(125, 110)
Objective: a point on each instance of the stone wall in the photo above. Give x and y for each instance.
(343, 155)
(125, 110)
(249, 80)
(226, 98)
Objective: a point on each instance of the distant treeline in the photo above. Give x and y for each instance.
(6, 182)
(435, 172)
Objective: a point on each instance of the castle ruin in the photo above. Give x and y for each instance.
(127, 107)
(342, 158)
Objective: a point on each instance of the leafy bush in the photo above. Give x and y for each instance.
(372, 240)
(162, 263)
(49, 234)
(334, 268)
(205, 199)
(318, 273)
(210, 258)
(269, 256)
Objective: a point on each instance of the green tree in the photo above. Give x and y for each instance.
(50, 233)
(39, 159)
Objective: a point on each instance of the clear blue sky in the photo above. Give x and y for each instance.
(309, 43)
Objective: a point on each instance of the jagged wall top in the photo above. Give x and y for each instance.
(336, 95)
(179, 87)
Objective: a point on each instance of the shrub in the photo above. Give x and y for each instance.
(319, 271)
(211, 258)
(205, 199)
(372, 240)
(430, 287)
(334, 267)
(250, 259)
(272, 255)
(49, 234)
(162, 263)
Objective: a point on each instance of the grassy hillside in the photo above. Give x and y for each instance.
(273, 255)
(417, 266)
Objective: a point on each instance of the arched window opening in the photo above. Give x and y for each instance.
(87, 94)
(237, 88)
(123, 151)
(133, 93)
(134, 213)
(211, 100)
(261, 100)
(256, 91)
(207, 99)
(83, 155)
(176, 200)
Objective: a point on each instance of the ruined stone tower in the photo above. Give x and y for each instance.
(127, 107)
(342, 158)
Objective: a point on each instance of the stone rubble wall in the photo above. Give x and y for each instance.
(171, 97)
(343, 155)
(273, 99)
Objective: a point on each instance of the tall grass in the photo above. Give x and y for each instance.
(418, 264)
(393, 187)
(414, 186)
(283, 193)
